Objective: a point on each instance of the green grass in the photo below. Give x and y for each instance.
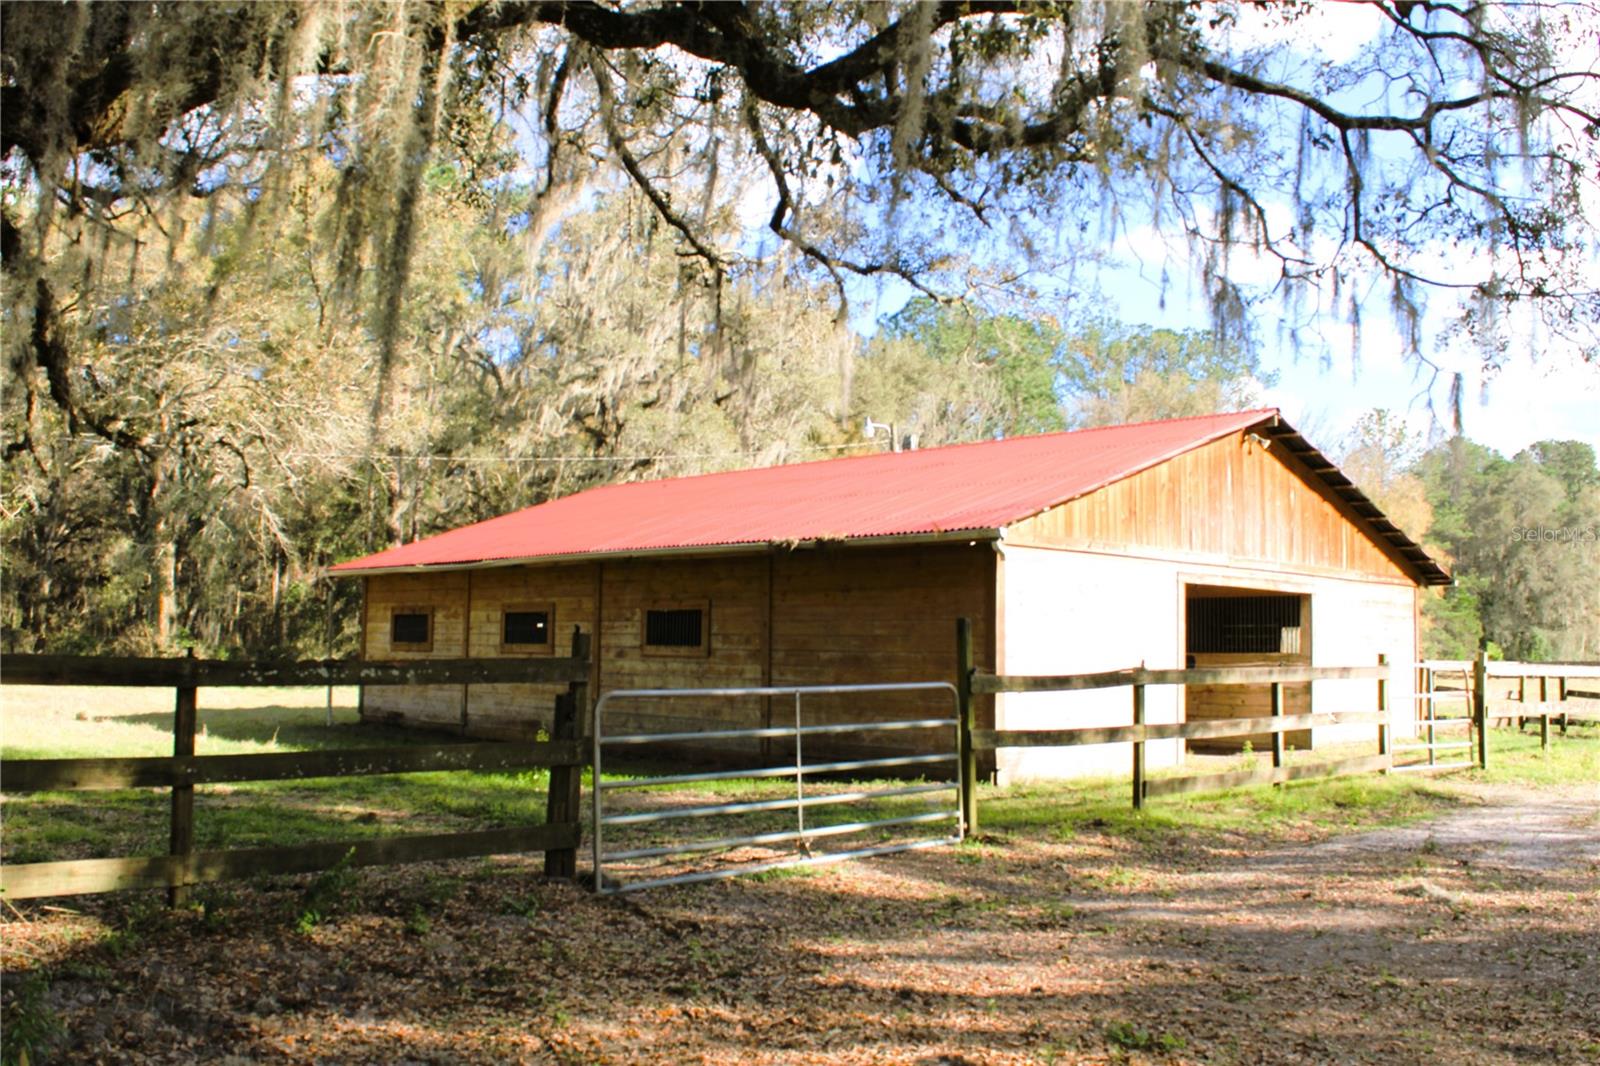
(65, 722)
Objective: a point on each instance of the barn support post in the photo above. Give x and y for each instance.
(566, 782)
(966, 721)
(184, 714)
(1480, 706)
(1138, 749)
(1383, 710)
(1277, 712)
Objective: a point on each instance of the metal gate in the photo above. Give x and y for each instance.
(1431, 722)
(795, 768)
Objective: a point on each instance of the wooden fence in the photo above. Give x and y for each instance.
(564, 754)
(1562, 693)
(972, 682)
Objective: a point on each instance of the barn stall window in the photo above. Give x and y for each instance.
(528, 628)
(1245, 624)
(411, 629)
(677, 629)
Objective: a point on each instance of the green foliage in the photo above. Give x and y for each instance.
(1129, 1037)
(1112, 373)
(1524, 537)
(325, 896)
(28, 1026)
(1008, 367)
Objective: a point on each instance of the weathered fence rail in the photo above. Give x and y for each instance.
(973, 682)
(1551, 698)
(565, 755)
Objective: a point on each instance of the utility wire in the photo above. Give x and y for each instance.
(554, 458)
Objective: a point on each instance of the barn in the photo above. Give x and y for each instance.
(1216, 540)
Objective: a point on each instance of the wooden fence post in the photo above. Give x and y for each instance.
(966, 722)
(184, 713)
(1383, 709)
(566, 782)
(1433, 707)
(1544, 713)
(1138, 749)
(1277, 712)
(1480, 706)
(1561, 694)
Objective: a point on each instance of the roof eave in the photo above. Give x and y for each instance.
(741, 548)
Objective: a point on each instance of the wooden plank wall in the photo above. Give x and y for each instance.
(515, 711)
(1210, 702)
(430, 706)
(1228, 500)
(861, 616)
(844, 615)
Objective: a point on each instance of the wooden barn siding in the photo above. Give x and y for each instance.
(869, 615)
(434, 706)
(1202, 702)
(517, 711)
(1228, 500)
(843, 615)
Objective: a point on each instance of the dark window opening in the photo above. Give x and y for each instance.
(411, 627)
(1245, 624)
(526, 627)
(675, 628)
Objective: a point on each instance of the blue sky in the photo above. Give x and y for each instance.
(1539, 389)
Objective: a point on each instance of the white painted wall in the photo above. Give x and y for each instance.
(1072, 612)
(1352, 623)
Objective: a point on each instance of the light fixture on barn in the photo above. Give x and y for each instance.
(908, 443)
(871, 428)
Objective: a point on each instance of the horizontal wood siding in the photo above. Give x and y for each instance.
(445, 594)
(837, 616)
(1211, 702)
(1228, 501)
(519, 711)
(860, 616)
(734, 589)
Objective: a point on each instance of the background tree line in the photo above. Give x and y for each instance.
(1521, 535)
(222, 447)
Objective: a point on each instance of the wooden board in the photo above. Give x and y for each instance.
(1230, 501)
(1240, 675)
(1228, 727)
(222, 673)
(83, 876)
(40, 775)
(1172, 786)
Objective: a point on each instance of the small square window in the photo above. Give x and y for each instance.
(411, 629)
(527, 628)
(677, 629)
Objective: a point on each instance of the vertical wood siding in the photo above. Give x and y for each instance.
(1228, 500)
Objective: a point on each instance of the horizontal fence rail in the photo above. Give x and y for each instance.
(1207, 729)
(984, 684)
(48, 775)
(564, 756)
(974, 682)
(78, 877)
(230, 673)
(796, 769)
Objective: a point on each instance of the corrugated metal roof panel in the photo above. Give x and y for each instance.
(981, 486)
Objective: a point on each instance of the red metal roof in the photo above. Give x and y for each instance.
(960, 488)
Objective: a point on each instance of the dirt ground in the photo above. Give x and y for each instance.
(1474, 938)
